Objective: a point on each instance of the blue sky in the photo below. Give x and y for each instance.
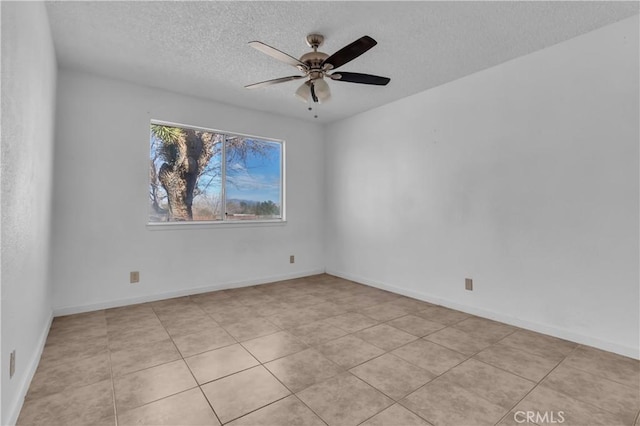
(258, 181)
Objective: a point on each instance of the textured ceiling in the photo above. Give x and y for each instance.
(200, 48)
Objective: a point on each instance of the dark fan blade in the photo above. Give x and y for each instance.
(275, 53)
(350, 52)
(355, 77)
(274, 81)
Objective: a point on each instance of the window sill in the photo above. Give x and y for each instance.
(172, 226)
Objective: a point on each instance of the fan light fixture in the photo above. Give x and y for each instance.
(304, 92)
(315, 66)
(318, 90)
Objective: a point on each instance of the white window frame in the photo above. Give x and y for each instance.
(224, 221)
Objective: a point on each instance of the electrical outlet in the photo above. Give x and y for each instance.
(134, 277)
(292, 259)
(12, 363)
(468, 284)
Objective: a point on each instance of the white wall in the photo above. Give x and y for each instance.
(28, 99)
(523, 177)
(100, 200)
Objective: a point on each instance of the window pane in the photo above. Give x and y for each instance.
(185, 174)
(192, 178)
(253, 179)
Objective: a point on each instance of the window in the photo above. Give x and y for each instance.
(204, 175)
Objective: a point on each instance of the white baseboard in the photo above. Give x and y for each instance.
(70, 310)
(559, 332)
(32, 366)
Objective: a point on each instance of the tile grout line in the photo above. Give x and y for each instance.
(311, 409)
(524, 349)
(600, 376)
(321, 295)
(113, 387)
(188, 368)
(597, 375)
(209, 403)
(257, 409)
(536, 386)
(291, 392)
(468, 357)
(507, 371)
(261, 364)
(394, 401)
(436, 376)
(294, 353)
(572, 397)
(430, 381)
(113, 378)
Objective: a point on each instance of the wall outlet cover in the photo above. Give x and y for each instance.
(468, 284)
(12, 363)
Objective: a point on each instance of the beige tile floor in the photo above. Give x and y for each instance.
(315, 351)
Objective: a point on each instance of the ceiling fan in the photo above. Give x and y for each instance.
(315, 66)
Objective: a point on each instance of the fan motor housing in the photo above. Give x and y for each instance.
(314, 59)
